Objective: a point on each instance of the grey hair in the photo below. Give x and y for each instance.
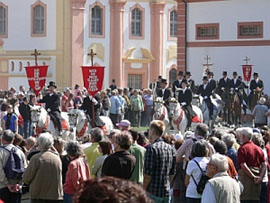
(229, 139)
(45, 140)
(220, 161)
(114, 132)
(97, 134)
(73, 149)
(258, 139)
(8, 136)
(246, 131)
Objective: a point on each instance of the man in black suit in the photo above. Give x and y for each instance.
(113, 85)
(52, 105)
(178, 83)
(91, 106)
(236, 85)
(205, 90)
(211, 81)
(185, 99)
(255, 85)
(164, 92)
(224, 85)
(190, 82)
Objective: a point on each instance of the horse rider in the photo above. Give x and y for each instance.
(256, 85)
(190, 81)
(52, 105)
(206, 90)
(178, 83)
(236, 85)
(224, 86)
(243, 86)
(185, 99)
(211, 81)
(91, 106)
(164, 92)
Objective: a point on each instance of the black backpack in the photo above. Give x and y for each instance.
(203, 180)
(14, 167)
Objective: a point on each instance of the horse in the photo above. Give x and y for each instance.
(234, 107)
(161, 113)
(178, 116)
(218, 106)
(255, 96)
(81, 125)
(41, 120)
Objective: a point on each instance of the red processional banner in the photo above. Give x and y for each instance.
(36, 76)
(247, 69)
(93, 77)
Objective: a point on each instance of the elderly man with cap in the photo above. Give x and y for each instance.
(190, 82)
(256, 85)
(221, 187)
(124, 125)
(205, 90)
(178, 83)
(52, 105)
(259, 113)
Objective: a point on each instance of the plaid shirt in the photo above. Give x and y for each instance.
(159, 164)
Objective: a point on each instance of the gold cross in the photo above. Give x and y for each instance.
(246, 60)
(207, 59)
(92, 54)
(36, 54)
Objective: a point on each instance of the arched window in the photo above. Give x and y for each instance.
(97, 21)
(3, 20)
(136, 23)
(173, 23)
(39, 11)
(172, 75)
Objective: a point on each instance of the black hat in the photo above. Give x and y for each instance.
(210, 73)
(225, 73)
(51, 83)
(255, 74)
(188, 73)
(234, 73)
(159, 77)
(180, 73)
(164, 81)
(184, 81)
(205, 78)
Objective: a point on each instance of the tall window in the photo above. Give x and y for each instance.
(250, 30)
(173, 24)
(39, 11)
(136, 22)
(96, 20)
(3, 20)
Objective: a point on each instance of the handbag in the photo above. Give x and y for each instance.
(203, 180)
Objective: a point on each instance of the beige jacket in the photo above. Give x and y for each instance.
(44, 175)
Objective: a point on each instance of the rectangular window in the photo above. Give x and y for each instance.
(96, 21)
(3, 21)
(250, 30)
(136, 23)
(173, 24)
(135, 81)
(207, 31)
(38, 20)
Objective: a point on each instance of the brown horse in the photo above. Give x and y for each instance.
(255, 96)
(234, 108)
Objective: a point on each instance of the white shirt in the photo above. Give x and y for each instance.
(204, 86)
(194, 170)
(163, 90)
(208, 195)
(234, 80)
(184, 90)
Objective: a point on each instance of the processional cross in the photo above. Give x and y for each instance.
(207, 60)
(92, 55)
(246, 60)
(36, 54)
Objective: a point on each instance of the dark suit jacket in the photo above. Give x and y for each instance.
(176, 84)
(236, 85)
(205, 92)
(87, 106)
(51, 102)
(254, 85)
(191, 84)
(185, 97)
(166, 95)
(213, 84)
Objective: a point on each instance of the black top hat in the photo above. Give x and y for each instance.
(225, 73)
(188, 73)
(51, 83)
(184, 81)
(205, 78)
(164, 81)
(159, 77)
(210, 73)
(255, 74)
(234, 73)
(180, 73)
